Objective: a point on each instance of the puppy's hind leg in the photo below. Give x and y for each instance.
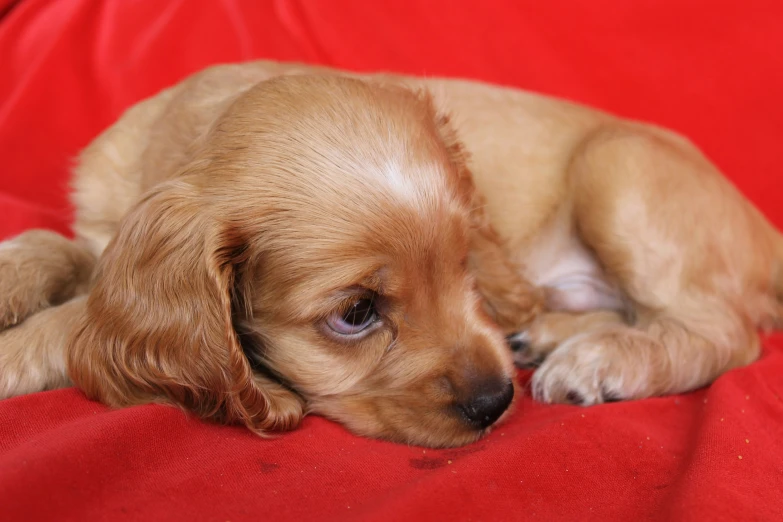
(695, 260)
(32, 354)
(39, 269)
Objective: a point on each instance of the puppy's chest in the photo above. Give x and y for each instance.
(556, 259)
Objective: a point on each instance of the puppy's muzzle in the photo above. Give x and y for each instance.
(487, 403)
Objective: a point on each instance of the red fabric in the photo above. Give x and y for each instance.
(709, 69)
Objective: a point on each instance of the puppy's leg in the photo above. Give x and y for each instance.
(695, 259)
(32, 354)
(622, 363)
(549, 330)
(39, 269)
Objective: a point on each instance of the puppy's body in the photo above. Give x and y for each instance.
(614, 223)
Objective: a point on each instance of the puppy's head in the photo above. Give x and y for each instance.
(311, 257)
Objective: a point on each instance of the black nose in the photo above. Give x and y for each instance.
(488, 405)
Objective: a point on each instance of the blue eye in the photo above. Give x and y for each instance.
(357, 318)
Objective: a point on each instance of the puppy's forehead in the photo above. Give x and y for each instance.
(393, 251)
(334, 170)
(421, 186)
(335, 144)
(304, 124)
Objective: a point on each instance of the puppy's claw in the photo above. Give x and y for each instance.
(610, 396)
(518, 341)
(575, 398)
(525, 356)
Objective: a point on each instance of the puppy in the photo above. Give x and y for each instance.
(270, 246)
(268, 239)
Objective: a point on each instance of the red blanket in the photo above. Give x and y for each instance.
(709, 69)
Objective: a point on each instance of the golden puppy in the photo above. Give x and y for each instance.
(273, 238)
(270, 246)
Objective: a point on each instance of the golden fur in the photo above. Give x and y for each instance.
(237, 216)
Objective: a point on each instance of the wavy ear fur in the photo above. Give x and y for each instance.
(159, 322)
(509, 298)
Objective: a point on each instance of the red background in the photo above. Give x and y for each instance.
(712, 70)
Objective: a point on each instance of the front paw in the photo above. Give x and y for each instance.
(592, 369)
(15, 305)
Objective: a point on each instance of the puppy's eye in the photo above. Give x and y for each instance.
(357, 318)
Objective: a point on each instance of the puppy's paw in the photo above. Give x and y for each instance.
(593, 369)
(39, 269)
(13, 313)
(16, 301)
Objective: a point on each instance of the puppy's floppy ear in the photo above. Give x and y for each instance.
(159, 321)
(509, 298)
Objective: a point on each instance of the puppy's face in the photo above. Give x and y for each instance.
(375, 321)
(339, 231)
